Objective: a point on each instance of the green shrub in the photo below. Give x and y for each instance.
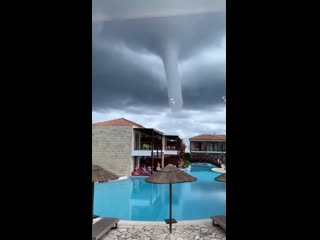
(187, 163)
(186, 156)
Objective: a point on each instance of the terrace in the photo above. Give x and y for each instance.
(186, 230)
(147, 142)
(152, 146)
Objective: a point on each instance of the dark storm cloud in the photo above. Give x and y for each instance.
(190, 33)
(118, 83)
(210, 94)
(120, 80)
(132, 9)
(129, 78)
(205, 87)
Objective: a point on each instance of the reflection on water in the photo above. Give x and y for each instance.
(135, 199)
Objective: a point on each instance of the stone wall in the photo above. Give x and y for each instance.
(112, 148)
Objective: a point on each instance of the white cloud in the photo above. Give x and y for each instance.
(186, 124)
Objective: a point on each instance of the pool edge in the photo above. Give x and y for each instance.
(182, 222)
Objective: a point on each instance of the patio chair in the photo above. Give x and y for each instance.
(103, 226)
(219, 221)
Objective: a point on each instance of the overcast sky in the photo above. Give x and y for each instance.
(129, 78)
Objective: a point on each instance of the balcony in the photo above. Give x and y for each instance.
(170, 152)
(208, 147)
(205, 151)
(145, 153)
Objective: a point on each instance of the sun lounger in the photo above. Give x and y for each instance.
(103, 226)
(219, 221)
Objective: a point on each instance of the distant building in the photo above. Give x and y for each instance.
(121, 145)
(207, 148)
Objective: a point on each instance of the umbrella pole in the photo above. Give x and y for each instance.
(170, 208)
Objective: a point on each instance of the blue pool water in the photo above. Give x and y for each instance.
(135, 199)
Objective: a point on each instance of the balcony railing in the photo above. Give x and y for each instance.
(145, 153)
(170, 152)
(171, 148)
(206, 151)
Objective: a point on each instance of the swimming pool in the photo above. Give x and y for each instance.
(135, 199)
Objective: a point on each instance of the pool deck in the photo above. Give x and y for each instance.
(147, 230)
(219, 170)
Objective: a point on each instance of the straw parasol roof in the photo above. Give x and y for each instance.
(101, 175)
(221, 178)
(170, 174)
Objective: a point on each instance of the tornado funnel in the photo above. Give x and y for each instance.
(170, 62)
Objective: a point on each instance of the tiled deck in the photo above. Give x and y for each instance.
(183, 230)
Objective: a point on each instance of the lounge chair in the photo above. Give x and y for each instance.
(103, 226)
(219, 221)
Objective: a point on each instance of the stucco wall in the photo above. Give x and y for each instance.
(112, 148)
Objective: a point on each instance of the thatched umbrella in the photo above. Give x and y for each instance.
(100, 175)
(221, 178)
(170, 174)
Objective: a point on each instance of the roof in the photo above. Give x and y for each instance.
(208, 137)
(170, 174)
(221, 178)
(149, 131)
(101, 175)
(118, 122)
